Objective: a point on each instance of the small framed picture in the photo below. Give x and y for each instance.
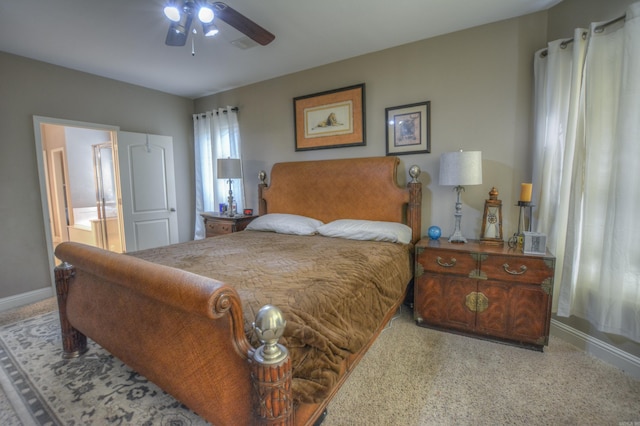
(408, 129)
(534, 243)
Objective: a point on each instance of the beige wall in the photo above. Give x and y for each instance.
(31, 88)
(479, 85)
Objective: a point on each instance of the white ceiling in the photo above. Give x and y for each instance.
(124, 39)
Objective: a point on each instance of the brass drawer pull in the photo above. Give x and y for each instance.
(523, 269)
(446, 265)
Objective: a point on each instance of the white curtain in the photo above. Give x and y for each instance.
(587, 149)
(216, 135)
(558, 81)
(558, 84)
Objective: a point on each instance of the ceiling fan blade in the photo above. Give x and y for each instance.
(242, 24)
(178, 33)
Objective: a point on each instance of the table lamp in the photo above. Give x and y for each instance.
(460, 168)
(229, 168)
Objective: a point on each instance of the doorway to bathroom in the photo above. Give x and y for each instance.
(82, 185)
(105, 187)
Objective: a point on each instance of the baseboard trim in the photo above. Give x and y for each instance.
(25, 298)
(608, 353)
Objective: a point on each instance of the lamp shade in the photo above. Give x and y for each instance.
(229, 168)
(461, 168)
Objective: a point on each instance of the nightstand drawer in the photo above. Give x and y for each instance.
(219, 228)
(446, 261)
(218, 224)
(532, 270)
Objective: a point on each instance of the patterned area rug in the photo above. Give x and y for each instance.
(95, 389)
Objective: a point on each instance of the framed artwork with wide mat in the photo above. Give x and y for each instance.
(330, 119)
(408, 129)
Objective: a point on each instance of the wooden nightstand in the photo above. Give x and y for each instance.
(217, 224)
(493, 292)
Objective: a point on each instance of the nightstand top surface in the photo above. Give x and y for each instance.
(476, 246)
(216, 215)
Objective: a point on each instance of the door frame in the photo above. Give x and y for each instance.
(38, 121)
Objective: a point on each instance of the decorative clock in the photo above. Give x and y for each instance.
(492, 219)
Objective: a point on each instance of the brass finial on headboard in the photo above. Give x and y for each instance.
(263, 177)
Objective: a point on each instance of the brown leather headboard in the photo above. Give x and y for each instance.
(360, 188)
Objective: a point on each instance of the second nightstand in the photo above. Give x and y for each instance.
(218, 224)
(487, 291)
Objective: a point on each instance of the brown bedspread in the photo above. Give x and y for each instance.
(333, 292)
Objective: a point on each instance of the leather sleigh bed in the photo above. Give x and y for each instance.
(201, 319)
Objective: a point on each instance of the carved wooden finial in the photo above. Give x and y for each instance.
(493, 194)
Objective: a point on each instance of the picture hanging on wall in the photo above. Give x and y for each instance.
(408, 129)
(330, 119)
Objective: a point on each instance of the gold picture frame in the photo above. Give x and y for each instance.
(408, 129)
(331, 119)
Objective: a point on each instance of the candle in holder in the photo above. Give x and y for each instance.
(525, 192)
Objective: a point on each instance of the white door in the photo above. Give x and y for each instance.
(147, 185)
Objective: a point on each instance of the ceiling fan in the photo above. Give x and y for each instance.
(181, 13)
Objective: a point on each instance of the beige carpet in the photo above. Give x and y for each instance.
(418, 376)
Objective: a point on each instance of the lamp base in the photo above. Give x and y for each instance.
(230, 210)
(457, 237)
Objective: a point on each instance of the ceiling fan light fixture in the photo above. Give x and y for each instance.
(209, 30)
(179, 31)
(183, 25)
(183, 12)
(205, 14)
(172, 12)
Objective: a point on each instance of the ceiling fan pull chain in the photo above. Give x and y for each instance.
(193, 42)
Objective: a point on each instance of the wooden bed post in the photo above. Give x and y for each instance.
(74, 343)
(271, 370)
(414, 210)
(262, 204)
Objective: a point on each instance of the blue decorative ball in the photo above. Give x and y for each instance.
(434, 232)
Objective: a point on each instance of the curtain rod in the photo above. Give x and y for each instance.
(598, 29)
(235, 109)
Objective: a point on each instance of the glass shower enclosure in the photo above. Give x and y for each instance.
(108, 226)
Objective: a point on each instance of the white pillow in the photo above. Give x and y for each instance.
(285, 224)
(367, 230)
